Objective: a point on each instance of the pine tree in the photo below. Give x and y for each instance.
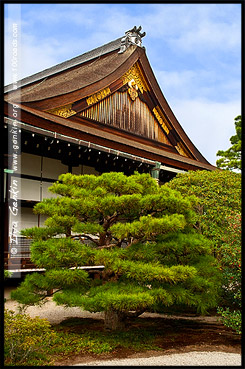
(142, 233)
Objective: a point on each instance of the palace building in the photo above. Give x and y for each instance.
(100, 111)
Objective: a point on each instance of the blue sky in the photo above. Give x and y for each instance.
(194, 51)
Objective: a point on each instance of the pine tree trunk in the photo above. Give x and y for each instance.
(114, 320)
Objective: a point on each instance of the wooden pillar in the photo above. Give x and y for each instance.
(155, 171)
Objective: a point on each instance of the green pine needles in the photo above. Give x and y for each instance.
(144, 236)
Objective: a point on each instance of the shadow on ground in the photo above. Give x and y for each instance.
(171, 335)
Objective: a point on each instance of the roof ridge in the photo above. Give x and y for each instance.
(70, 63)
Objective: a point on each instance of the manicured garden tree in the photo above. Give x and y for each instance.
(219, 194)
(219, 219)
(232, 273)
(143, 235)
(231, 158)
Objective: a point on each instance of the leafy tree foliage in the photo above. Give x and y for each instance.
(231, 158)
(219, 194)
(219, 219)
(232, 272)
(7, 274)
(142, 234)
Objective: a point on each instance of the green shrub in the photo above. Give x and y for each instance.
(231, 319)
(25, 339)
(231, 269)
(231, 260)
(7, 274)
(219, 194)
(219, 219)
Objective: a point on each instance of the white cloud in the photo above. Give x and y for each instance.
(56, 14)
(200, 83)
(209, 125)
(192, 26)
(210, 36)
(200, 42)
(78, 28)
(86, 32)
(177, 83)
(33, 57)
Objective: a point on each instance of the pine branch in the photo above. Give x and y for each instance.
(107, 246)
(132, 242)
(51, 294)
(87, 236)
(109, 220)
(91, 239)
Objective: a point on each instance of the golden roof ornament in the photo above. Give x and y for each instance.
(132, 90)
(132, 37)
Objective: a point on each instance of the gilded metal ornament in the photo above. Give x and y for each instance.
(136, 74)
(132, 90)
(180, 148)
(133, 93)
(98, 96)
(63, 111)
(161, 119)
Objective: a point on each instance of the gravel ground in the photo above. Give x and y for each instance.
(187, 359)
(55, 314)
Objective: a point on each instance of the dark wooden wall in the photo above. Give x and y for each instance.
(120, 111)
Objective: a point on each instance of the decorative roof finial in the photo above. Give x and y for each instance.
(132, 37)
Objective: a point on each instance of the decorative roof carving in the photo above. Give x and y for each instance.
(132, 90)
(181, 149)
(161, 119)
(98, 96)
(135, 73)
(132, 37)
(63, 111)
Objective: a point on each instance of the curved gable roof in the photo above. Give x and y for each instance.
(80, 59)
(73, 81)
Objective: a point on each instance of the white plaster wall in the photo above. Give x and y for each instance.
(30, 189)
(77, 170)
(84, 169)
(89, 170)
(31, 164)
(45, 192)
(28, 219)
(52, 168)
(42, 220)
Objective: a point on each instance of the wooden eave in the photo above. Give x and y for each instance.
(30, 97)
(74, 129)
(85, 58)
